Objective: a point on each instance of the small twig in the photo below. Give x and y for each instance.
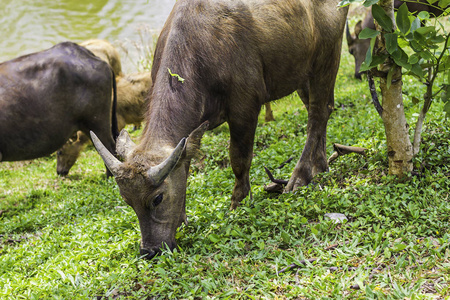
(373, 92)
(278, 181)
(293, 266)
(335, 269)
(332, 247)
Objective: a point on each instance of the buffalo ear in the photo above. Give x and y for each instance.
(124, 144)
(194, 140)
(358, 28)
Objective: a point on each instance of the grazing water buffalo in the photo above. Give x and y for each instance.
(131, 94)
(105, 51)
(358, 47)
(220, 61)
(47, 96)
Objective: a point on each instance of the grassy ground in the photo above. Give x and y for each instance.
(75, 238)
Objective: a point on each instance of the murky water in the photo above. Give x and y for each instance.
(30, 26)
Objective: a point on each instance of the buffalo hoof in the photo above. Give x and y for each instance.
(148, 254)
(63, 173)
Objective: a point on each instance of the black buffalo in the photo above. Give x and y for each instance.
(47, 96)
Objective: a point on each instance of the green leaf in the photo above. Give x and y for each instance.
(314, 231)
(347, 2)
(369, 292)
(344, 3)
(378, 59)
(447, 108)
(369, 3)
(419, 39)
(415, 46)
(415, 24)
(417, 70)
(180, 79)
(382, 18)
(398, 247)
(414, 58)
(402, 19)
(426, 30)
(367, 64)
(444, 3)
(391, 42)
(426, 55)
(389, 77)
(437, 39)
(214, 238)
(285, 237)
(401, 59)
(424, 15)
(368, 33)
(444, 97)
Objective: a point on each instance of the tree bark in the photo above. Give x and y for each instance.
(400, 151)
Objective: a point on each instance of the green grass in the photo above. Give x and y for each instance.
(75, 238)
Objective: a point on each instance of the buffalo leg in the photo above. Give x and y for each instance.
(313, 159)
(242, 135)
(269, 113)
(318, 96)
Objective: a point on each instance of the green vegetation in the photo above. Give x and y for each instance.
(75, 238)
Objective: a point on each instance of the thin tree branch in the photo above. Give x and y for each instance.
(373, 92)
(340, 150)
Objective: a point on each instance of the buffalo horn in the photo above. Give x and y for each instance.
(347, 31)
(158, 173)
(112, 163)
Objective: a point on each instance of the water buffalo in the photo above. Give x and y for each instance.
(358, 47)
(131, 94)
(47, 96)
(105, 51)
(221, 64)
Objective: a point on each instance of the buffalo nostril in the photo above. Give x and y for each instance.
(148, 254)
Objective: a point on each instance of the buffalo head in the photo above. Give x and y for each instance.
(153, 183)
(67, 155)
(357, 47)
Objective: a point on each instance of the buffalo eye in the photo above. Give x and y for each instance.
(157, 200)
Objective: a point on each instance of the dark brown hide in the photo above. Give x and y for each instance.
(358, 47)
(234, 56)
(132, 90)
(47, 96)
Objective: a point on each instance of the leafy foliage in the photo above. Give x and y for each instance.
(423, 51)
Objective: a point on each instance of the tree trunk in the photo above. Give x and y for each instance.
(400, 151)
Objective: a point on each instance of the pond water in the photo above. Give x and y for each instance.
(30, 26)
